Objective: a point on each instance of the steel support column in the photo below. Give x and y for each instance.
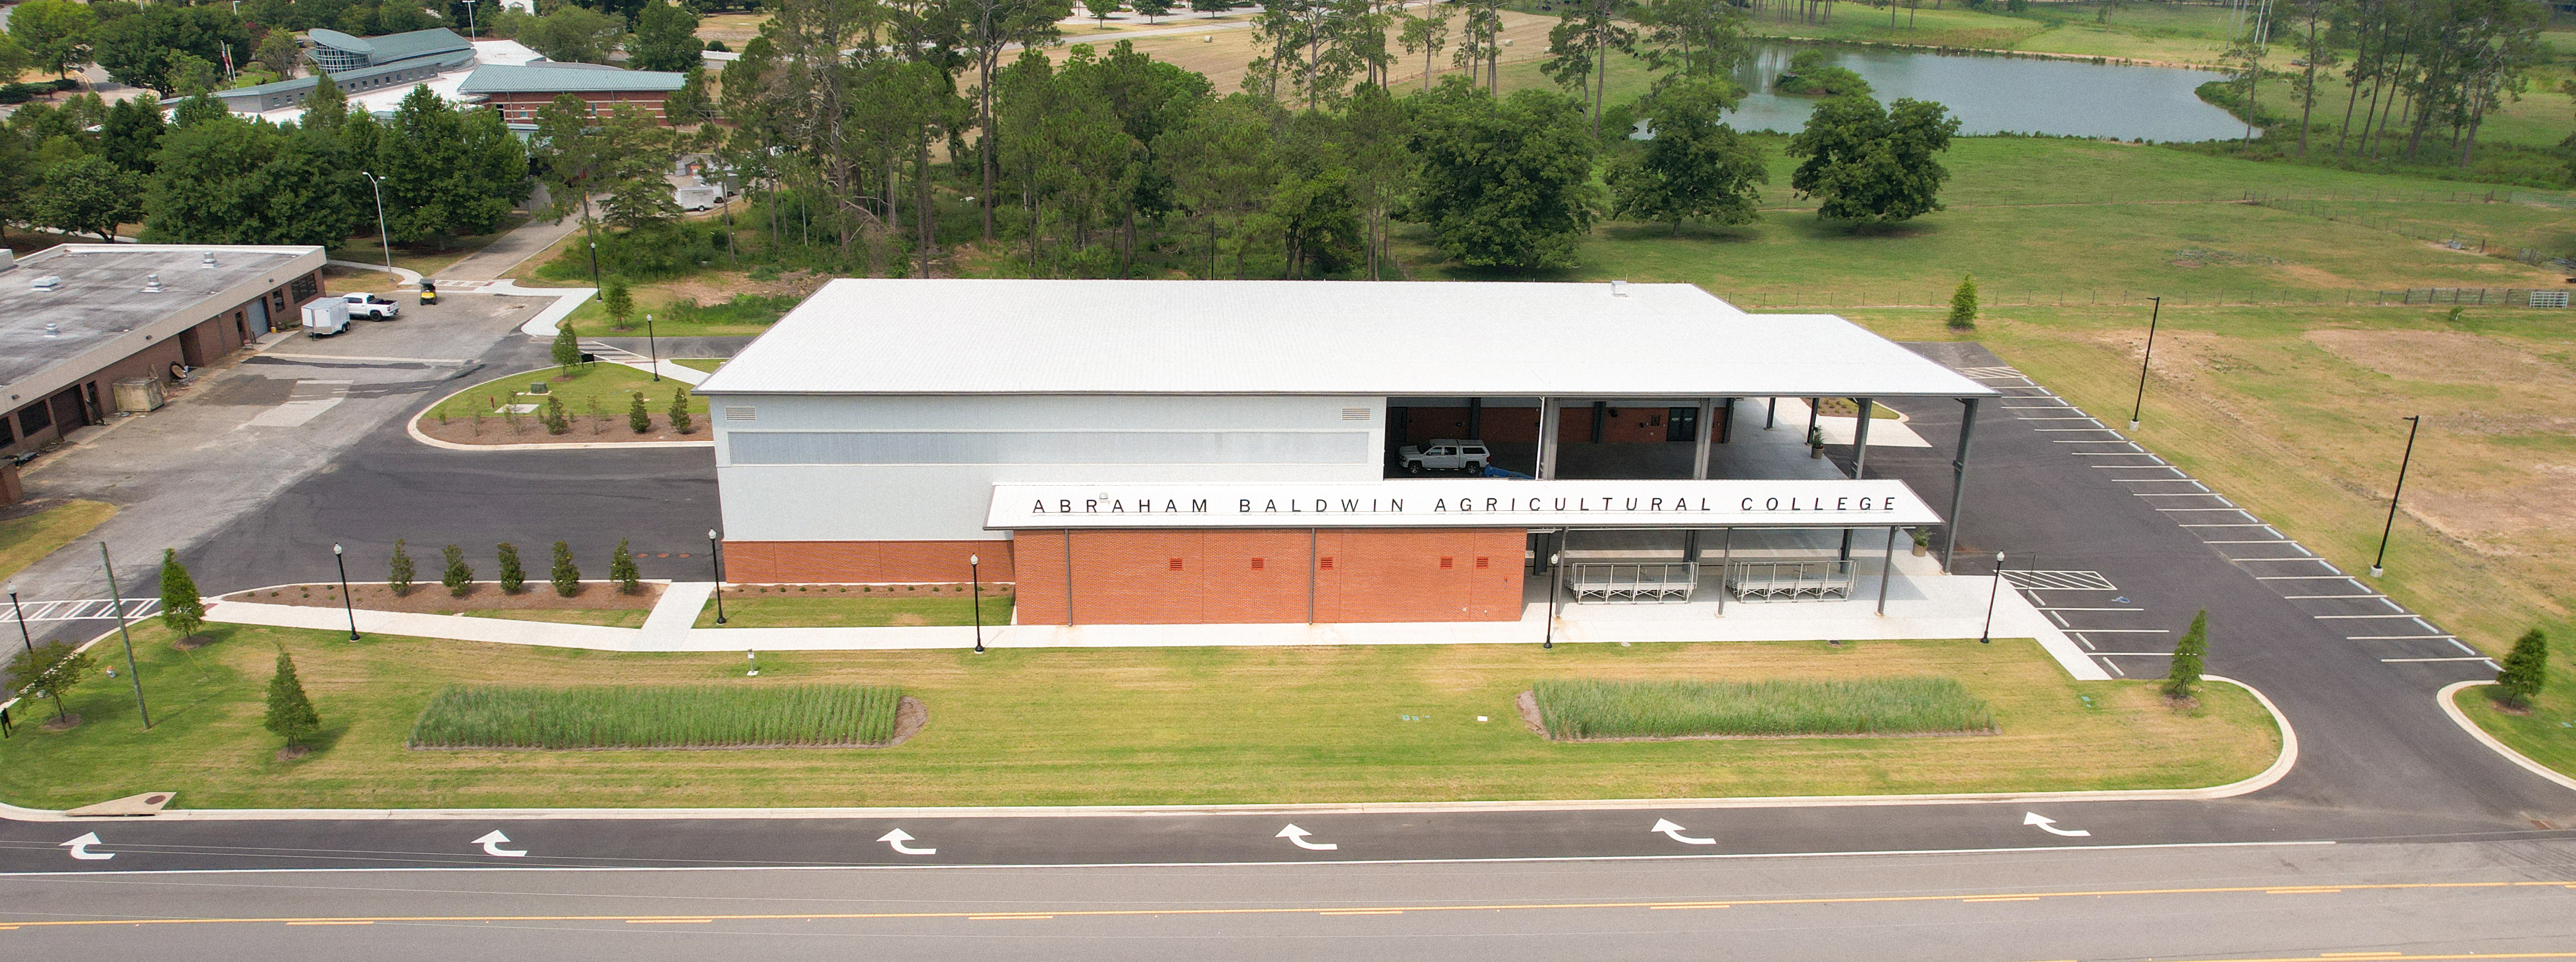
(1886, 568)
(1860, 438)
(1707, 435)
(1547, 429)
(1958, 480)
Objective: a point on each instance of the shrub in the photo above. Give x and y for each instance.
(458, 578)
(1963, 304)
(182, 610)
(557, 421)
(2525, 670)
(621, 569)
(566, 578)
(1594, 708)
(637, 416)
(680, 421)
(620, 305)
(513, 577)
(660, 716)
(290, 712)
(567, 346)
(399, 575)
(2188, 656)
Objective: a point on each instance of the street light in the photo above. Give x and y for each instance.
(344, 591)
(2415, 422)
(715, 559)
(23, 633)
(2142, 363)
(381, 236)
(975, 577)
(1554, 578)
(652, 349)
(469, 19)
(1986, 635)
(117, 598)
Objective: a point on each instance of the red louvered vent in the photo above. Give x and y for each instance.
(1257, 563)
(1327, 564)
(1176, 564)
(1447, 563)
(1484, 562)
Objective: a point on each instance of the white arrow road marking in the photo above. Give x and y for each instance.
(2049, 825)
(80, 848)
(491, 842)
(1298, 836)
(1667, 827)
(898, 837)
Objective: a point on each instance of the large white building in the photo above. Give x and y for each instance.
(1155, 451)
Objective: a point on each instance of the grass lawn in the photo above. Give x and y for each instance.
(2548, 733)
(612, 618)
(854, 611)
(738, 314)
(2160, 32)
(1108, 726)
(707, 364)
(609, 385)
(23, 541)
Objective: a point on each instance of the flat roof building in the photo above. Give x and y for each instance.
(78, 318)
(1238, 451)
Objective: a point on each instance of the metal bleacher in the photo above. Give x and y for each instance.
(1815, 580)
(1637, 582)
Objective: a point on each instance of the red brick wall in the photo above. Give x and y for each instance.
(863, 562)
(1208, 576)
(522, 107)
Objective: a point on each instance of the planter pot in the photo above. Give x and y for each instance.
(1920, 550)
(1813, 453)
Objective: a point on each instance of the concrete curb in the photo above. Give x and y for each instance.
(2280, 767)
(411, 426)
(403, 275)
(2449, 697)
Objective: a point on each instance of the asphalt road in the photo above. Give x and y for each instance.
(2413, 901)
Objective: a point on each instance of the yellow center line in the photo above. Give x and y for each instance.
(331, 923)
(2481, 956)
(2004, 898)
(1307, 910)
(2359, 955)
(1008, 918)
(668, 921)
(1361, 912)
(1691, 905)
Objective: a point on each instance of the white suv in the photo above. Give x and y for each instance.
(1445, 454)
(370, 305)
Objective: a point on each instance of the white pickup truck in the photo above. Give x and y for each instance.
(370, 305)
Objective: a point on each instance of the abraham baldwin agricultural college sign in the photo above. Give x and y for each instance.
(1466, 503)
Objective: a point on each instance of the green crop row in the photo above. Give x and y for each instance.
(1594, 708)
(660, 716)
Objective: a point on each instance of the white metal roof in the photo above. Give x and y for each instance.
(1474, 503)
(1492, 339)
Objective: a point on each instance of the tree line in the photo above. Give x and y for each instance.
(2418, 71)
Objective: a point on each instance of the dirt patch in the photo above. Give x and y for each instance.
(910, 715)
(192, 642)
(62, 724)
(707, 289)
(605, 429)
(2448, 357)
(909, 621)
(2184, 703)
(293, 752)
(1528, 704)
(2317, 276)
(430, 597)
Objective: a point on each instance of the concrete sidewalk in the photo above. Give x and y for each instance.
(1937, 606)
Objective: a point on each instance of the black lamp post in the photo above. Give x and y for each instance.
(2378, 565)
(975, 582)
(343, 562)
(23, 633)
(2141, 404)
(1986, 635)
(652, 349)
(715, 559)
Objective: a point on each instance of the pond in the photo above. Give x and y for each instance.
(1997, 94)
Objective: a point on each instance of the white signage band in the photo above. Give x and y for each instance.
(1465, 503)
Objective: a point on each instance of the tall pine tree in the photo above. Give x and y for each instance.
(2188, 657)
(290, 713)
(182, 610)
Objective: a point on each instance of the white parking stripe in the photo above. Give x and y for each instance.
(2362, 616)
(2397, 637)
(2430, 659)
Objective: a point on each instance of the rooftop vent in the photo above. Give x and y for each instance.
(209, 260)
(53, 330)
(152, 284)
(1618, 288)
(48, 282)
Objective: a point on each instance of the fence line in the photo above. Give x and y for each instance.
(2100, 297)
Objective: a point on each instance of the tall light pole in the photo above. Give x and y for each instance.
(652, 348)
(975, 577)
(1554, 578)
(2378, 565)
(23, 633)
(715, 559)
(1986, 635)
(469, 19)
(345, 606)
(381, 235)
(2141, 404)
(117, 598)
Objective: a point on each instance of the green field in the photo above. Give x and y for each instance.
(657, 716)
(2548, 733)
(1592, 708)
(744, 610)
(1106, 726)
(677, 317)
(24, 541)
(609, 386)
(707, 364)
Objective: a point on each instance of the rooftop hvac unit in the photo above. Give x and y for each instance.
(136, 395)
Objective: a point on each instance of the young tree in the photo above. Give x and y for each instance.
(1102, 10)
(619, 304)
(56, 33)
(1695, 168)
(1579, 48)
(679, 413)
(1427, 33)
(567, 345)
(49, 669)
(513, 577)
(1211, 7)
(2188, 656)
(2525, 671)
(1873, 165)
(290, 713)
(637, 415)
(621, 569)
(459, 577)
(399, 573)
(182, 610)
(1963, 304)
(1153, 8)
(557, 421)
(666, 39)
(566, 578)
(1503, 182)
(1692, 39)
(278, 53)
